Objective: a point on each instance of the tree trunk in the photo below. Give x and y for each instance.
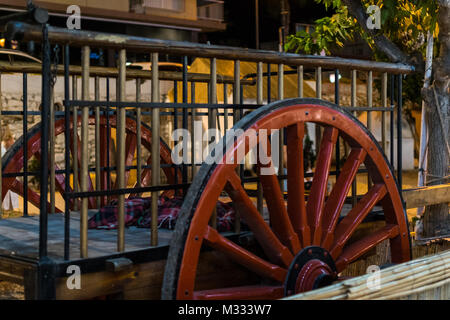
(436, 219)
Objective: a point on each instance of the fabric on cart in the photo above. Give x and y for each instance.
(138, 214)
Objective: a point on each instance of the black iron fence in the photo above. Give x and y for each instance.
(74, 182)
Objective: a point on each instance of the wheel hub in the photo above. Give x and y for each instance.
(312, 268)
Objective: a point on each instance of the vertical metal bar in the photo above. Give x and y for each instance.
(354, 89)
(259, 101)
(52, 151)
(85, 58)
(1, 176)
(46, 78)
(268, 83)
(236, 114)
(241, 114)
(300, 81)
(236, 88)
(75, 140)
(193, 142)
(175, 121)
(399, 130)
(97, 141)
(259, 84)
(391, 125)
(225, 110)
(281, 135)
(67, 153)
(383, 113)
(336, 101)
(108, 141)
(241, 101)
(369, 99)
(138, 134)
(185, 119)
(120, 132)
(369, 113)
(212, 116)
(280, 82)
(319, 83)
(25, 145)
(318, 133)
(155, 148)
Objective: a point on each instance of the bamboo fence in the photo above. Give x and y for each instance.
(424, 278)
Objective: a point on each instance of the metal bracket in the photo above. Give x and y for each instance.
(33, 14)
(118, 264)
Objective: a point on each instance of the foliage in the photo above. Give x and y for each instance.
(404, 22)
(328, 32)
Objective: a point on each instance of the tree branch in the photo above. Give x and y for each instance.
(356, 9)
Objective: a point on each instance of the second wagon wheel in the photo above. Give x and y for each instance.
(12, 161)
(303, 243)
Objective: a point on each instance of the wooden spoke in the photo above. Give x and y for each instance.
(130, 149)
(273, 248)
(296, 182)
(358, 248)
(61, 184)
(60, 180)
(279, 218)
(33, 197)
(241, 293)
(146, 177)
(91, 200)
(336, 200)
(6, 185)
(348, 225)
(13, 159)
(314, 207)
(147, 174)
(244, 257)
(104, 137)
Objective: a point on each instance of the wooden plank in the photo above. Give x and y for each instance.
(426, 196)
(20, 236)
(14, 270)
(144, 281)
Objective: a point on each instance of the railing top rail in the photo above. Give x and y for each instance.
(27, 67)
(28, 32)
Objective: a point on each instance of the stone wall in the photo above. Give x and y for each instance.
(12, 100)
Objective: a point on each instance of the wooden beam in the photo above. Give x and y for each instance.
(29, 67)
(425, 196)
(144, 281)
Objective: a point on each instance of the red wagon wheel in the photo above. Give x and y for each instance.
(13, 160)
(304, 245)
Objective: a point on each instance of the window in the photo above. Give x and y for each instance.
(174, 5)
(213, 11)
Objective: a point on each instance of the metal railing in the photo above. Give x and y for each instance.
(80, 110)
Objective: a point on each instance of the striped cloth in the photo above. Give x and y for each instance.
(138, 213)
